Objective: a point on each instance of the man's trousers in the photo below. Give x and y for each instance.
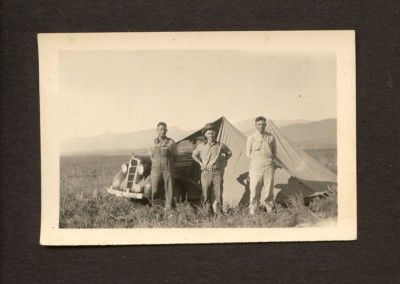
(214, 195)
(163, 170)
(261, 184)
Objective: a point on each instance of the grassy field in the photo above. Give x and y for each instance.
(85, 204)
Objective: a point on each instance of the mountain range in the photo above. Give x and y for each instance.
(303, 133)
(317, 134)
(248, 124)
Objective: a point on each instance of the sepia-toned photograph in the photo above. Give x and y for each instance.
(197, 137)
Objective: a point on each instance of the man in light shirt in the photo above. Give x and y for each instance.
(261, 150)
(212, 157)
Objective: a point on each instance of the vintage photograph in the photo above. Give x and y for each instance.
(200, 137)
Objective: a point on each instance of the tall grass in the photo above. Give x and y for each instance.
(101, 210)
(84, 203)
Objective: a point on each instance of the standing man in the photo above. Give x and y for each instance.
(163, 155)
(261, 150)
(212, 157)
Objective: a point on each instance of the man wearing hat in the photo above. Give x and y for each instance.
(163, 154)
(212, 157)
(261, 150)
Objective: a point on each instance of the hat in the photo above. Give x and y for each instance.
(208, 127)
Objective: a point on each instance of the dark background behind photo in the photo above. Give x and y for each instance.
(373, 257)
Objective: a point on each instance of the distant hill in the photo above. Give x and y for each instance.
(305, 134)
(113, 142)
(317, 134)
(308, 135)
(248, 124)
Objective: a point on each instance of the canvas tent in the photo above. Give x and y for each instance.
(300, 173)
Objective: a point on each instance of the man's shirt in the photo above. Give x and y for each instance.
(211, 154)
(163, 147)
(261, 146)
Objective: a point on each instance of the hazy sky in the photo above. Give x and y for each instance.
(123, 91)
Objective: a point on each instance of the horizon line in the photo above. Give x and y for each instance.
(183, 129)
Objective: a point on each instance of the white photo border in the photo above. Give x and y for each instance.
(342, 43)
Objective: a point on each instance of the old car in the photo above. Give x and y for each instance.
(134, 179)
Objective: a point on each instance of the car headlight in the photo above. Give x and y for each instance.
(124, 168)
(140, 169)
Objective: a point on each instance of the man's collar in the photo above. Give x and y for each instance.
(158, 139)
(215, 142)
(265, 133)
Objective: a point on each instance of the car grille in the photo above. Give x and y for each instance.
(132, 173)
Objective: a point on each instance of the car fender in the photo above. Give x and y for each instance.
(119, 181)
(185, 188)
